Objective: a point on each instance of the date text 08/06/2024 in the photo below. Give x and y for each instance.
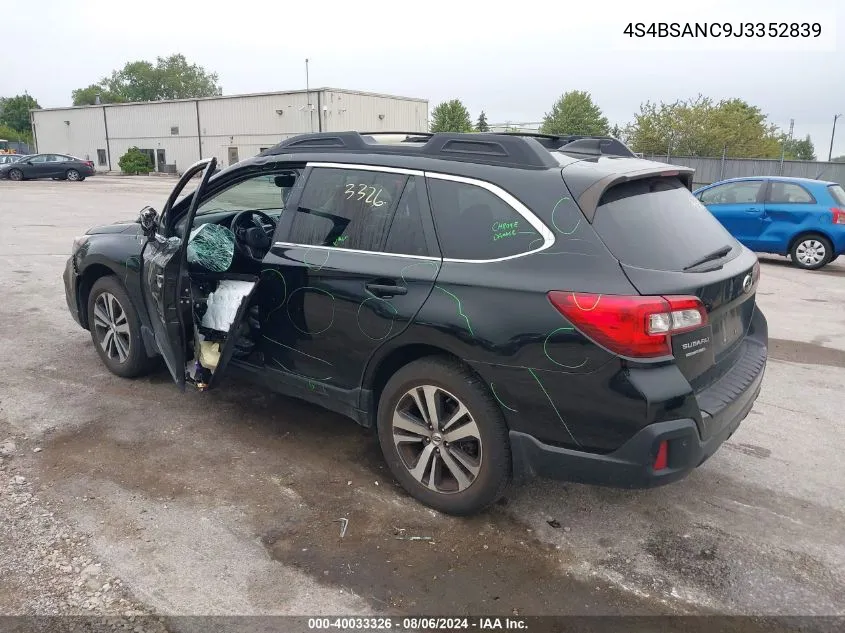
(723, 29)
(413, 624)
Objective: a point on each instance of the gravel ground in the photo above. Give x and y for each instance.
(48, 568)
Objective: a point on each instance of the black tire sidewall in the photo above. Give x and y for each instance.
(137, 362)
(495, 470)
(829, 256)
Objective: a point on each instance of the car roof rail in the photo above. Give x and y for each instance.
(580, 145)
(410, 137)
(493, 149)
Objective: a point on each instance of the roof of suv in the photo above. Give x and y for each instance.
(523, 150)
(589, 165)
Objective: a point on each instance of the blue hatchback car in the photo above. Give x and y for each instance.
(799, 217)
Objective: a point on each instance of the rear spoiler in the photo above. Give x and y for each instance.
(589, 196)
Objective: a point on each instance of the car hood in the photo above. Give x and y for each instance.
(117, 227)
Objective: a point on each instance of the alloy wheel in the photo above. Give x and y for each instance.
(437, 439)
(112, 327)
(810, 252)
(72, 174)
(16, 174)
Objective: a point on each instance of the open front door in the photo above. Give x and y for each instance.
(164, 276)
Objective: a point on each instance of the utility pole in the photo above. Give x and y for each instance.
(832, 134)
(722, 166)
(308, 90)
(783, 148)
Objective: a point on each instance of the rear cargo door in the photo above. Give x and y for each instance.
(164, 277)
(667, 243)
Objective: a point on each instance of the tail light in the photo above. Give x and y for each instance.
(633, 326)
(90, 163)
(838, 216)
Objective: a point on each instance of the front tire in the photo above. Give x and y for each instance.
(811, 251)
(444, 437)
(15, 174)
(116, 329)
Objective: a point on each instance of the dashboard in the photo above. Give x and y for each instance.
(224, 218)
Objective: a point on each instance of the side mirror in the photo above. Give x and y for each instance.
(148, 220)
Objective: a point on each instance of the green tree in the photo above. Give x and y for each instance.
(575, 113)
(135, 162)
(702, 127)
(9, 134)
(799, 149)
(451, 116)
(619, 132)
(169, 78)
(14, 112)
(481, 125)
(88, 96)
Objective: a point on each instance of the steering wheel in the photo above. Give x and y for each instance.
(251, 238)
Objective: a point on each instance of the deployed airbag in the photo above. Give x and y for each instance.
(224, 302)
(211, 246)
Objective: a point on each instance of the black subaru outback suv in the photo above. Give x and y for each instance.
(497, 306)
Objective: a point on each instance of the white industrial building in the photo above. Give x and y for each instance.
(178, 133)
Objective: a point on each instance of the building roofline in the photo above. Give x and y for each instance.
(236, 96)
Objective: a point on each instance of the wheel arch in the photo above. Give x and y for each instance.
(806, 233)
(379, 370)
(87, 279)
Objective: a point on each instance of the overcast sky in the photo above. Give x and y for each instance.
(512, 60)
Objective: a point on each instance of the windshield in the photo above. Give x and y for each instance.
(261, 193)
(656, 223)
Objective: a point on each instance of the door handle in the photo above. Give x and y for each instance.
(386, 290)
(752, 209)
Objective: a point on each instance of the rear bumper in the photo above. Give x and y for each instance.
(630, 466)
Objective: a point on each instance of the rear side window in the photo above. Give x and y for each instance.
(743, 192)
(474, 223)
(838, 194)
(656, 223)
(346, 208)
(788, 193)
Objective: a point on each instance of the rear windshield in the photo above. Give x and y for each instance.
(656, 223)
(838, 194)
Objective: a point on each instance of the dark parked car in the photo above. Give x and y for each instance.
(496, 306)
(56, 166)
(7, 159)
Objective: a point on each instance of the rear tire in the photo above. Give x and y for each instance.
(116, 329)
(811, 251)
(15, 174)
(74, 176)
(459, 465)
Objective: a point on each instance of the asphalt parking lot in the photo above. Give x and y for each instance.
(129, 496)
